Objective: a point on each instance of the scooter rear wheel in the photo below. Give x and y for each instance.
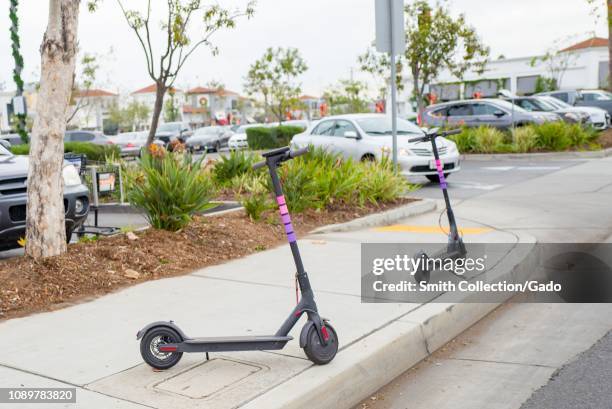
(150, 343)
(318, 353)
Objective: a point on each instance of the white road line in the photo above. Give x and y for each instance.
(474, 185)
(538, 168)
(499, 168)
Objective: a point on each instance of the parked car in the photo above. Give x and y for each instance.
(239, 139)
(209, 138)
(95, 137)
(173, 130)
(584, 98)
(539, 104)
(131, 143)
(366, 137)
(13, 138)
(302, 123)
(13, 198)
(477, 112)
(599, 118)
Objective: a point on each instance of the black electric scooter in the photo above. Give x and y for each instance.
(455, 248)
(163, 343)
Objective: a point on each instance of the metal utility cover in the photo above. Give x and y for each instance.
(208, 378)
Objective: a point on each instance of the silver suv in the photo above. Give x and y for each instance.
(477, 112)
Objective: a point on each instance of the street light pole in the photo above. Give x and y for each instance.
(393, 87)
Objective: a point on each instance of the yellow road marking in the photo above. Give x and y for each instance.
(430, 229)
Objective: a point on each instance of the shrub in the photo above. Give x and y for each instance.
(487, 139)
(253, 195)
(170, 188)
(321, 179)
(284, 133)
(465, 140)
(578, 135)
(93, 152)
(553, 136)
(235, 164)
(270, 138)
(261, 137)
(524, 138)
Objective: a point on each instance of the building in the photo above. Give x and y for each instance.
(147, 96)
(586, 67)
(204, 106)
(312, 106)
(89, 108)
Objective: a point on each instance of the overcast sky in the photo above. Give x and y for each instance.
(329, 33)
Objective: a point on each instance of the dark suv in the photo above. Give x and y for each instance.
(13, 198)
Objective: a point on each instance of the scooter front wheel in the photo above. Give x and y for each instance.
(317, 352)
(422, 273)
(150, 343)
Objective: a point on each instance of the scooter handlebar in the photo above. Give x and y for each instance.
(299, 152)
(428, 137)
(288, 155)
(259, 165)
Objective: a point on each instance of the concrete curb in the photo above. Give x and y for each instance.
(375, 360)
(604, 153)
(118, 208)
(380, 219)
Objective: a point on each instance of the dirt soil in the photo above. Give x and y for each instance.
(605, 139)
(92, 269)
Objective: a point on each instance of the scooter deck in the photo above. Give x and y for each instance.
(226, 344)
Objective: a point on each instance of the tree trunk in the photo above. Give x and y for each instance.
(609, 14)
(45, 224)
(157, 108)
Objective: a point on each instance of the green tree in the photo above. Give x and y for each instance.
(130, 118)
(347, 97)
(274, 78)
(171, 109)
(20, 119)
(435, 41)
(179, 45)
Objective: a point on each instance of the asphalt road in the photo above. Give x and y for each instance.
(583, 383)
(477, 177)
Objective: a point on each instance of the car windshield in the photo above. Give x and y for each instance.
(243, 128)
(556, 102)
(382, 126)
(130, 136)
(508, 105)
(541, 105)
(599, 96)
(4, 151)
(169, 127)
(209, 130)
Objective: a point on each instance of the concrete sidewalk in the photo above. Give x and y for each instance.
(93, 346)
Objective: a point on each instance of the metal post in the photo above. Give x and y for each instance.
(121, 197)
(94, 184)
(393, 87)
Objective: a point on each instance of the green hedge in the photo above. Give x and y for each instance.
(547, 137)
(270, 138)
(92, 151)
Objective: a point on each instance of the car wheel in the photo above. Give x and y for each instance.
(368, 157)
(217, 146)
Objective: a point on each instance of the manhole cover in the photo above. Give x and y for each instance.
(208, 378)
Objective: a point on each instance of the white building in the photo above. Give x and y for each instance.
(207, 105)
(587, 68)
(90, 108)
(147, 96)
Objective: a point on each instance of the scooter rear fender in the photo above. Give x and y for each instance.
(168, 324)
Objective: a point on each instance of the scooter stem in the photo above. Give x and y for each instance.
(454, 233)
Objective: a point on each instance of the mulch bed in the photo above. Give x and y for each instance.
(605, 139)
(96, 268)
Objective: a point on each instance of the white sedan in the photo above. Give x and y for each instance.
(368, 137)
(239, 139)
